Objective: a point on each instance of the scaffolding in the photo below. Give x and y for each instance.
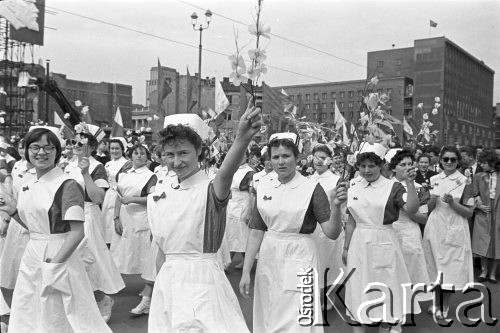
(18, 103)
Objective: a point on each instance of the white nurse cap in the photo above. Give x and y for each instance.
(391, 153)
(96, 132)
(121, 139)
(286, 135)
(189, 119)
(376, 148)
(53, 129)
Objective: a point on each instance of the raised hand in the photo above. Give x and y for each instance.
(84, 164)
(410, 174)
(250, 122)
(340, 193)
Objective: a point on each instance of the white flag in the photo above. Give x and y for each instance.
(406, 127)
(345, 136)
(339, 119)
(284, 92)
(221, 101)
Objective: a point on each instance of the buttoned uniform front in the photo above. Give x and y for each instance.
(237, 207)
(283, 253)
(410, 241)
(108, 205)
(447, 242)
(330, 251)
(17, 237)
(191, 291)
(130, 250)
(51, 297)
(103, 273)
(374, 252)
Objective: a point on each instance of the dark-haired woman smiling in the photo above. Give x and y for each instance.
(447, 242)
(289, 207)
(53, 292)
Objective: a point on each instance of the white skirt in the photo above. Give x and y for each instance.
(102, 271)
(130, 251)
(237, 231)
(375, 255)
(52, 297)
(276, 296)
(107, 215)
(330, 255)
(15, 241)
(4, 307)
(192, 294)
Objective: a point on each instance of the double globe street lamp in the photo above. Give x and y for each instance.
(201, 27)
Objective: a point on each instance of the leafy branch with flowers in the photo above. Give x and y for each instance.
(257, 55)
(426, 134)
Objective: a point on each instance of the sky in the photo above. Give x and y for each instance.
(341, 31)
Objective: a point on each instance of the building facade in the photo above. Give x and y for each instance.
(464, 85)
(102, 98)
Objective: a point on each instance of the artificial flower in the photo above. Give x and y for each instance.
(372, 101)
(84, 140)
(148, 129)
(435, 111)
(237, 78)
(255, 72)
(2, 113)
(85, 110)
(2, 120)
(437, 105)
(238, 64)
(374, 80)
(155, 117)
(141, 129)
(66, 116)
(425, 116)
(384, 98)
(260, 30)
(142, 138)
(78, 103)
(467, 173)
(437, 99)
(420, 105)
(129, 132)
(258, 55)
(149, 119)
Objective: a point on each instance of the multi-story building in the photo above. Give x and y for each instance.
(440, 68)
(102, 98)
(496, 111)
(318, 100)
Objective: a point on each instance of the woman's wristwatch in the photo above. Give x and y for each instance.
(116, 218)
(346, 248)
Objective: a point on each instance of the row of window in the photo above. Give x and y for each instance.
(469, 129)
(324, 106)
(333, 94)
(324, 115)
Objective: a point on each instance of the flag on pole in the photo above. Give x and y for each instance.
(433, 24)
(339, 119)
(117, 130)
(221, 101)
(284, 92)
(190, 89)
(163, 89)
(406, 127)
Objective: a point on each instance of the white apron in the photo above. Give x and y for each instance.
(102, 271)
(108, 205)
(50, 297)
(374, 253)
(236, 229)
(130, 250)
(447, 243)
(410, 241)
(191, 293)
(283, 253)
(17, 237)
(4, 307)
(330, 251)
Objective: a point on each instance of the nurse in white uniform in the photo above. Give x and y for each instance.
(330, 251)
(118, 162)
(371, 245)
(191, 291)
(447, 242)
(17, 236)
(53, 293)
(131, 243)
(91, 175)
(287, 211)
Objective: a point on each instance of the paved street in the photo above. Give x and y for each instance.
(121, 322)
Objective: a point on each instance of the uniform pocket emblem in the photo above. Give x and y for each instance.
(158, 197)
(267, 198)
(25, 188)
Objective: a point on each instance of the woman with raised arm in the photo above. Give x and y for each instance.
(191, 291)
(288, 209)
(447, 243)
(371, 246)
(53, 292)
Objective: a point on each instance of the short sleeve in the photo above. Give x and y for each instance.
(126, 167)
(246, 181)
(398, 195)
(72, 208)
(256, 221)
(149, 185)
(100, 177)
(320, 205)
(468, 195)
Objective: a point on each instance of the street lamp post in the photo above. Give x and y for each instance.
(201, 27)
